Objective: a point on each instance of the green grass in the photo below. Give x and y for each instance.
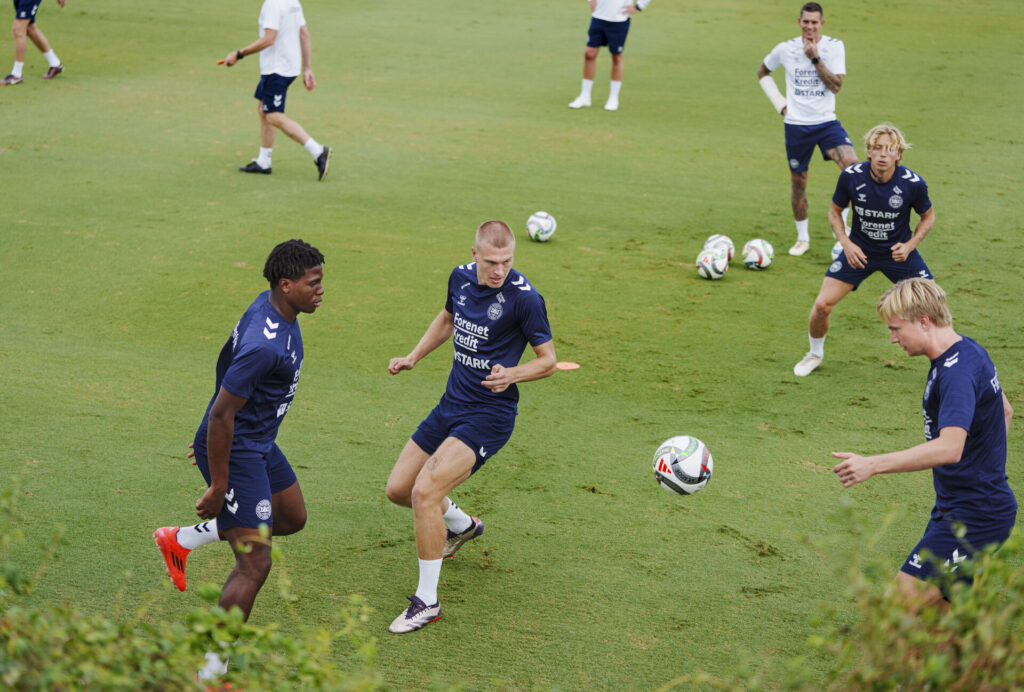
(130, 245)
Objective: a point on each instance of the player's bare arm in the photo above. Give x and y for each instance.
(944, 449)
(854, 254)
(439, 331)
(219, 435)
(306, 44)
(540, 367)
(1007, 412)
(265, 41)
(771, 89)
(900, 251)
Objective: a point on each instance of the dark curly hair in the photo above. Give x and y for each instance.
(290, 260)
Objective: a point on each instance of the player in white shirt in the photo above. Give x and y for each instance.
(285, 50)
(815, 67)
(609, 24)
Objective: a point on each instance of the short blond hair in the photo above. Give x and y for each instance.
(496, 234)
(898, 140)
(913, 298)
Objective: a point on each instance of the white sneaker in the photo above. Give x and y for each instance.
(800, 248)
(417, 615)
(807, 365)
(580, 102)
(611, 105)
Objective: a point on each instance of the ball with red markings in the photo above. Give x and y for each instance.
(683, 465)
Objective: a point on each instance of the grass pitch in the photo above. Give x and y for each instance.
(131, 244)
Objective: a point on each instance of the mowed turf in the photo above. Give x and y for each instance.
(130, 245)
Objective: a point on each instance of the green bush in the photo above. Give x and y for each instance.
(55, 647)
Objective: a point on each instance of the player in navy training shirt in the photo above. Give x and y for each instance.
(966, 418)
(491, 313)
(251, 484)
(883, 193)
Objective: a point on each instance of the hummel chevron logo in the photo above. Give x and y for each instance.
(483, 453)
(952, 360)
(232, 506)
(911, 176)
(862, 185)
(272, 325)
(522, 285)
(856, 168)
(277, 100)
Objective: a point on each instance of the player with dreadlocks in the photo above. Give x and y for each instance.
(251, 484)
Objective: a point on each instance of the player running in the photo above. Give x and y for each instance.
(815, 67)
(491, 312)
(882, 192)
(966, 418)
(251, 484)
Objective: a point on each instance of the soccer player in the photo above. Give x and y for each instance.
(251, 484)
(285, 50)
(491, 312)
(882, 192)
(25, 27)
(609, 24)
(966, 418)
(815, 68)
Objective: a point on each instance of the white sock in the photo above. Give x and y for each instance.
(817, 346)
(587, 87)
(16, 70)
(191, 537)
(846, 217)
(430, 574)
(51, 58)
(264, 158)
(314, 147)
(456, 520)
(214, 668)
(801, 231)
(614, 90)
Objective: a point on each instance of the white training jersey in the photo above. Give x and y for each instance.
(285, 56)
(612, 10)
(808, 100)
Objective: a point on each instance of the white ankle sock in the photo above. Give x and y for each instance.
(430, 574)
(17, 69)
(817, 346)
(191, 537)
(265, 157)
(802, 232)
(614, 88)
(456, 520)
(586, 88)
(314, 147)
(51, 58)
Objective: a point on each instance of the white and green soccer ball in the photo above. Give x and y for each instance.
(723, 241)
(541, 226)
(683, 465)
(836, 250)
(712, 263)
(758, 254)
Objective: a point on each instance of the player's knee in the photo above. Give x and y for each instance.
(424, 494)
(822, 308)
(255, 561)
(293, 523)
(398, 493)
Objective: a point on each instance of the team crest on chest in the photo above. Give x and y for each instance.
(494, 311)
(895, 201)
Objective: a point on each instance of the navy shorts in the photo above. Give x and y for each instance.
(605, 33)
(801, 140)
(484, 430)
(914, 266)
(253, 480)
(272, 92)
(947, 542)
(26, 9)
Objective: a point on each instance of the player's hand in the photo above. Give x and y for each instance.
(853, 469)
(192, 454)
(810, 49)
(397, 365)
(593, 4)
(499, 379)
(900, 251)
(210, 504)
(630, 10)
(231, 59)
(855, 257)
(309, 80)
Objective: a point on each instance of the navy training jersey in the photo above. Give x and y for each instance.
(492, 327)
(963, 391)
(260, 362)
(881, 211)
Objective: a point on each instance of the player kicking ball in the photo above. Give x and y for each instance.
(491, 312)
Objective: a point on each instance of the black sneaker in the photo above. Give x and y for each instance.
(54, 71)
(253, 167)
(10, 80)
(322, 161)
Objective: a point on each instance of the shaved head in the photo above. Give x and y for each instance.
(495, 234)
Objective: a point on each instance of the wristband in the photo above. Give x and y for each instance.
(238, 55)
(638, 8)
(815, 61)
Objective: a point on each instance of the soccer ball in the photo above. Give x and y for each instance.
(712, 263)
(758, 254)
(541, 226)
(723, 241)
(836, 250)
(682, 465)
